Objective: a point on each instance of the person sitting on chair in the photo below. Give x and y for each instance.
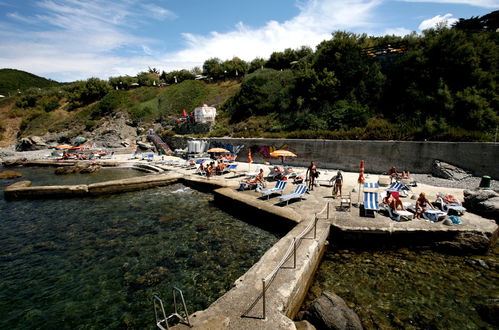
(422, 204)
(253, 182)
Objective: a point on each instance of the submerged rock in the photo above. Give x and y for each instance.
(10, 175)
(330, 311)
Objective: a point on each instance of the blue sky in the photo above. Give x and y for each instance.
(69, 40)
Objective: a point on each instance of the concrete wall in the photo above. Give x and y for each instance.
(479, 158)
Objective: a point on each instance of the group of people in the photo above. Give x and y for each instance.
(392, 199)
(395, 176)
(211, 169)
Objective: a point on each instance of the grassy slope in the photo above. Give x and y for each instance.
(145, 105)
(11, 80)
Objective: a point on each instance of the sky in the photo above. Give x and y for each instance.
(68, 40)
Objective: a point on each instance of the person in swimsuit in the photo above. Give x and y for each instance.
(338, 183)
(312, 174)
(422, 204)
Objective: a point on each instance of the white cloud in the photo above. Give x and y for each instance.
(446, 20)
(158, 12)
(400, 31)
(476, 3)
(315, 23)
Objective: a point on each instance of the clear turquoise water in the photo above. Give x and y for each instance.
(413, 289)
(94, 263)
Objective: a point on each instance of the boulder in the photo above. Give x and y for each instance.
(65, 170)
(116, 132)
(329, 311)
(144, 146)
(447, 171)
(15, 162)
(10, 175)
(484, 202)
(31, 143)
(304, 325)
(465, 243)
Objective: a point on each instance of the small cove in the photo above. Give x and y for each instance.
(95, 262)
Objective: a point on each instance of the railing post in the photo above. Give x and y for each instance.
(328, 210)
(315, 227)
(294, 252)
(263, 297)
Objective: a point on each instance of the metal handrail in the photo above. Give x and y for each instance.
(291, 249)
(164, 320)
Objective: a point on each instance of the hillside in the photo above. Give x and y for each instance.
(12, 80)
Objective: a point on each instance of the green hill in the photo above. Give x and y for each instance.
(12, 80)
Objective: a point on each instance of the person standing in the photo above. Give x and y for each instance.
(311, 174)
(338, 183)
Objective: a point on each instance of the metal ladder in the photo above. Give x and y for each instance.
(161, 323)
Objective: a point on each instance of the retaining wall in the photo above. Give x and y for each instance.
(478, 158)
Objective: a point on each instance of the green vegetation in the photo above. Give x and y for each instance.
(440, 85)
(12, 81)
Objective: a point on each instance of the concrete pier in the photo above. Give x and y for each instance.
(242, 306)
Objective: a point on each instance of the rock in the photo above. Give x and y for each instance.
(21, 184)
(31, 143)
(489, 312)
(329, 311)
(15, 162)
(10, 175)
(115, 132)
(304, 325)
(484, 202)
(447, 171)
(144, 146)
(465, 242)
(447, 222)
(483, 264)
(65, 170)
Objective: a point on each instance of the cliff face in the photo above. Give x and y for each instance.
(112, 132)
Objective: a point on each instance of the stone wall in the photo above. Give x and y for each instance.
(479, 158)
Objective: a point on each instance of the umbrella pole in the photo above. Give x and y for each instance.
(358, 197)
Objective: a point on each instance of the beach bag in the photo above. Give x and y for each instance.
(432, 217)
(455, 219)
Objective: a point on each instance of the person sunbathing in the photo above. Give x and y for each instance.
(253, 182)
(422, 204)
(406, 174)
(392, 173)
(396, 203)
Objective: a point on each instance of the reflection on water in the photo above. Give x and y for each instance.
(95, 262)
(412, 289)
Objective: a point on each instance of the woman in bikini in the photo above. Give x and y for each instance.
(422, 204)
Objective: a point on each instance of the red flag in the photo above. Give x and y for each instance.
(250, 160)
(361, 173)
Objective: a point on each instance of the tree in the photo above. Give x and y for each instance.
(213, 68)
(256, 64)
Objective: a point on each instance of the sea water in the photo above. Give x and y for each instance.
(413, 289)
(96, 262)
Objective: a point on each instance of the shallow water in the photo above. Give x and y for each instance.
(406, 289)
(95, 262)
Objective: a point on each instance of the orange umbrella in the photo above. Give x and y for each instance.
(282, 153)
(361, 173)
(64, 146)
(250, 159)
(218, 150)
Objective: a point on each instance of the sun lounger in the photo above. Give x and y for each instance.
(346, 202)
(371, 204)
(298, 193)
(450, 204)
(371, 185)
(434, 215)
(401, 188)
(398, 215)
(279, 188)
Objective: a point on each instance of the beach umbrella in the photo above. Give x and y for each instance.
(221, 150)
(64, 146)
(282, 153)
(250, 159)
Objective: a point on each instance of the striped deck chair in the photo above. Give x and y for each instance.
(371, 185)
(371, 204)
(298, 193)
(401, 188)
(279, 188)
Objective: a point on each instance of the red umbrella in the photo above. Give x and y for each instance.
(361, 173)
